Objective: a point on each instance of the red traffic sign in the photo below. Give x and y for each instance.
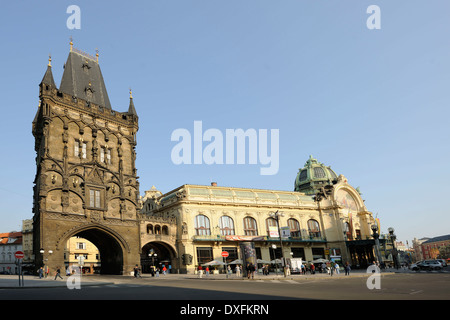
(225, 254)
(19, 255)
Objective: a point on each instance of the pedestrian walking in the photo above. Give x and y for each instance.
(164, 270)
(336, 268)
(207, 271)
(347, 269)
(313, 268)
(41, 272)
(200, 272)
(58, 273)
(136, 271)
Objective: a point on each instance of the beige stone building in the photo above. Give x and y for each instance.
(328, 220)
(82, 252)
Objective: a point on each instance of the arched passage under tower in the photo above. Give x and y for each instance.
(157, 254)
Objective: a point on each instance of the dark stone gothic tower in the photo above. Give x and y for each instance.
(86, 183)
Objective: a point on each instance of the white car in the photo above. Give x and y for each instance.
(426, 265)
(443, 262)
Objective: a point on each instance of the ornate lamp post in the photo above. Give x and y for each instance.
(276, 215)
(42, 251)
(393, 237)
(376, 236)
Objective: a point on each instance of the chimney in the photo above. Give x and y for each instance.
(214, 184)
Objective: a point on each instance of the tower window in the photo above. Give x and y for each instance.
(94, 198)
(80, 148)
(105, 155)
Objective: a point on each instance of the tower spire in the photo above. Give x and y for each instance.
(131, 109)
(48, 76)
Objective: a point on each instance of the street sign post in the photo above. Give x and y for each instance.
(225, 254)
(19, 256)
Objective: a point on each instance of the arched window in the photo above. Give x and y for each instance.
(250, 227)
(157, 229)
(347, 232)
(202, 225)
(313, 228)
(271, 225)
(226, 226)
(165, 230)
(295, 228)
(150, 229)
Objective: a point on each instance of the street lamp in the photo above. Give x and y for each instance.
(376, 236)
(153, 256)
(276, 215)
(393, 237)
(42, 251)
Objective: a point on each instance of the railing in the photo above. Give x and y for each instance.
(261, 238)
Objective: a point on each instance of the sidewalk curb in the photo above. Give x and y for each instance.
(57, 286)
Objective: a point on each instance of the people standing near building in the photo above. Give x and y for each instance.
(164, 269)
(238, 271)
(152, 270)
(313, 268)
(207, 271)
(41, 272)
(200, 272)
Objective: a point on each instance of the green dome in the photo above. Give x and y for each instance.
(313, 176)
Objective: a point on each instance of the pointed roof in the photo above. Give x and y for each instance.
(82, 78)
(131, 109)
(48, 76)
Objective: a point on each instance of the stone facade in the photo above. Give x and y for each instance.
(212, 219)
(86, 182)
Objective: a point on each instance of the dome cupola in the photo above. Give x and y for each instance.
(313, 176)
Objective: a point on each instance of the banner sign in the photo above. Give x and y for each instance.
(244, 238)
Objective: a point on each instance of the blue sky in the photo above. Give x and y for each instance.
(372, 104)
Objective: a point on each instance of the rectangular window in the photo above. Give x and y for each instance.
(76, 148)
(94, 199)
(108, 156)
(102, 154)
(81, 245)
(204, 255)
(83, 150)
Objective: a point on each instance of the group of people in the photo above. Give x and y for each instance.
(329, 267)
(44, 272)
(154, 271)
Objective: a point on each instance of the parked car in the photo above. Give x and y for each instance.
(443, 262)
(426, 265)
